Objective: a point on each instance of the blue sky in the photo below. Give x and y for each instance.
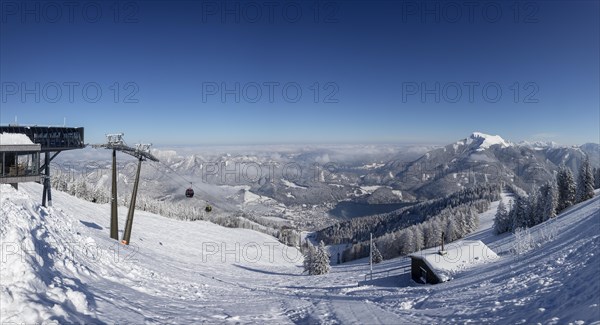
(190, 72)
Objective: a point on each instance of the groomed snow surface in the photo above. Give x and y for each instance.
(58, 264)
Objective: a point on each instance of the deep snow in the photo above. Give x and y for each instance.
(59, 264)
(14, 139)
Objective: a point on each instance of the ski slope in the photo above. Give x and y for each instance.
(58, 264)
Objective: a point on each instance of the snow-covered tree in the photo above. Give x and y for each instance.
(406, 242)
(309, 255)
(451, 230)
(473, 221)
(387, 244)
(548, 201)
(518, 213)
(432, 232)
(320, 262)
(396, 237)
(585, 182)
(461, 224)
(502, 221)
(597, 178)
(418, 237)
(376, 255)
(566, 188)
(531, 212)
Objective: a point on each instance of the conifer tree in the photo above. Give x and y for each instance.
(377, 257)
(309, 256)
(518, 214)
(320, 263)
(585, 182)
(566, 188)
(502, 222)
(548, 201)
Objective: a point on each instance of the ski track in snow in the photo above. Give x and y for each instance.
(58, 264)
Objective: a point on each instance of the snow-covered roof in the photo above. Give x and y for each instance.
(459, 256)
(14, 139)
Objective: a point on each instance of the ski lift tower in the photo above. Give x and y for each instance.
(116, 143)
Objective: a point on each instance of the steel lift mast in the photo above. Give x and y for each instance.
(116, 143)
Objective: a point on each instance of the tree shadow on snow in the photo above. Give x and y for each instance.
(91, 225)
(264, 271)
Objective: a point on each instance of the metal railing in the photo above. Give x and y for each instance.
(389, 272)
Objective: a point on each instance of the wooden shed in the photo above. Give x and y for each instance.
(421, 272)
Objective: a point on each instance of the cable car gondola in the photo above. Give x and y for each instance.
(189, 193)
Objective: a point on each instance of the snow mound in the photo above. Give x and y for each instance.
(14, 139)
(34, 290)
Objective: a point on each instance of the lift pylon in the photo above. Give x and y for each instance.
(116, 143)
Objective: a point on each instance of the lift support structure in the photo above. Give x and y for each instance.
(116, 143)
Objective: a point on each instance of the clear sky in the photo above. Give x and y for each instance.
(251, 72)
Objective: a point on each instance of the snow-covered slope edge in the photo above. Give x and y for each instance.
(58, 264)
(557, 281)
(34, 286)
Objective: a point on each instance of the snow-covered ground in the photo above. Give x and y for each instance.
(485, 231)
(59, 264)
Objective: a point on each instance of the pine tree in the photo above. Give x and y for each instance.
(418, 237)
(473, 221)
(432, 233)
(566, 188)
(502, 222)
(597, 178)
(377, 257)
(451, 230)
(309, 256)
(548, 202)
(406, 242)
(518, 214)
(531, 213)
(585, 182)
(320, 263)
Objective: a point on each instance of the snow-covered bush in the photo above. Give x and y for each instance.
(547, 232)
(523, 241)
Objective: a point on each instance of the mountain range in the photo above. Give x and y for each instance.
(288, 182)
(482, 158)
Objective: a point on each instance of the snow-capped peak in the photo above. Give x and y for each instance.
(539, 145)
(488, 140)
